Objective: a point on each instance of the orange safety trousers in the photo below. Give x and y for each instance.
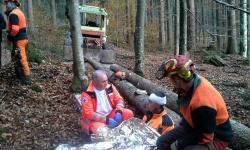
(20, 58)
(94, 125)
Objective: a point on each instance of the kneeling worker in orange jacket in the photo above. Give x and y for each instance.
(17, 34)
(205, 123)
(156, 117)
(102, 105)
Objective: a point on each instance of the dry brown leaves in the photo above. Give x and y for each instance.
(42, 115)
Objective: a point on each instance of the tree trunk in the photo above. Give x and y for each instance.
(183, 27)
(177, 27)
(103, 3)
(83, 21)
(248, 35)
(218, 26)
(191, 26)
(232, 41)
(128, 26)
(139, 38)
(80, 79)
(147, 85)
(53, 11)
(243, 29)
(170, 25)
(31, 18)
(162, 25)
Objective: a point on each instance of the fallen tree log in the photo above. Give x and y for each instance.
(241, 132)
(147, 85)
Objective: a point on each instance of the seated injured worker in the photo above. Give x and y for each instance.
(205, 121)
(102, 104)
(156, 117)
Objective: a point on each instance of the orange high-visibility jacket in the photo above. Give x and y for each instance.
(206, 97)
(16, 25)
(88, 100)
(161, 122)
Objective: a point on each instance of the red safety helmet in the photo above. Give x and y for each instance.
(181, 66)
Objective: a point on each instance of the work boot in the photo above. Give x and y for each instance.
(26, 80)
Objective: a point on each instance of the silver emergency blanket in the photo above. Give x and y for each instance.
(132, 134)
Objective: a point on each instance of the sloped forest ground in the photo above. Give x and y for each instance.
(43, 115)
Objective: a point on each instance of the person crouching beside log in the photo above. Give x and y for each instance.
(156, 117)
(102, 105)
(205, 121)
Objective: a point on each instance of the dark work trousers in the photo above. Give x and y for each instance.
(164, 141)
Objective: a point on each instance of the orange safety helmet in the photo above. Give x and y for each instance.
(181, 66)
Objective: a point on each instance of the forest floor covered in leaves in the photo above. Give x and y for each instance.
(42, 115)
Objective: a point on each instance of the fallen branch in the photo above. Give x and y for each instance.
(147, 85)
(232, 6)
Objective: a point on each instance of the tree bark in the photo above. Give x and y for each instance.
(162, 25)
(80, 79)
(177, 27)
(31, 18)
(218, 26)
(243, 29)
(183, 27)
(53, 10)
(170, 24)
(248, 34)
(139, 38)
(191, 26)
(128, 26)
(147, 85)
(83, 21)
(232, 41)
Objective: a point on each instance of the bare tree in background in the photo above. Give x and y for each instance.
(243, 29)
(53, 11)
(190, 25)
(232, 35)
(183, 27)
(30, 11)
(177, 27)
(248, 34)
(162, 34)
(139, 38)
(80, 79)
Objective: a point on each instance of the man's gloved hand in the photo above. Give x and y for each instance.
(118, 117)
(112, 123)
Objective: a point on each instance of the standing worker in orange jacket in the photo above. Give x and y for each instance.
(17, 34)
(102, 105)
(205, 121)
(156, 116)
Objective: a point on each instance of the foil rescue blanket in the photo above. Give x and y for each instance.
(132, 134)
